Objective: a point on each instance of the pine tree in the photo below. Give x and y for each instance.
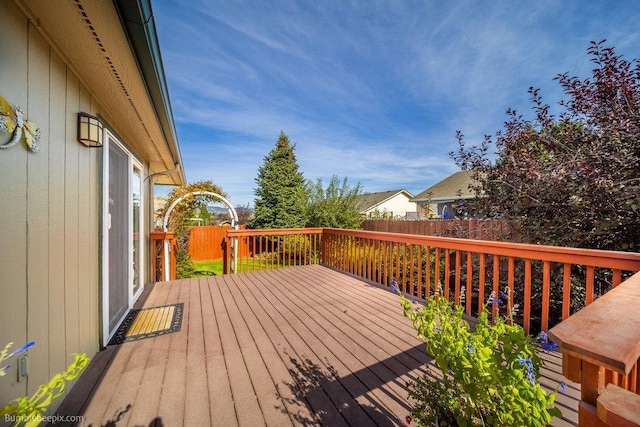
(280, 196)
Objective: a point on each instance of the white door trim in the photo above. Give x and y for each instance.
(109, 138)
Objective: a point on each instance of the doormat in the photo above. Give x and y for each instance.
(149, 322)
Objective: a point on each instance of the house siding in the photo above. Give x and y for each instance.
(394, 203)
(398, 205)
(49, 255)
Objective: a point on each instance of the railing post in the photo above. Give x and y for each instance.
(225, 255)
(164, 253)
(156, 238)
(173, 260)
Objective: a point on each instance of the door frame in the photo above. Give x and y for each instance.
(133, 162)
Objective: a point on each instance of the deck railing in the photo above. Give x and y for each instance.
(548, 283)
(276, 248)
(545, 283)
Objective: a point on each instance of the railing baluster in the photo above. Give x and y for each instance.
(447, 269)
(617, 277)
(412, 285)
(511, 284)
(427, 275)
(396, 251)
(437, 288)
(526, 310)
(468, 294)
(456, 294)
(546, 292)
(404, 268)
(589, 285)
(420, 282)
(481, 282)
(496, 285)
(566, 290)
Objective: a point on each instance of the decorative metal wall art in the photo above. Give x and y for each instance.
(13, 123)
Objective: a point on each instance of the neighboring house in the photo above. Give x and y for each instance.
(76, 219)
(387, 204)
(437, 201)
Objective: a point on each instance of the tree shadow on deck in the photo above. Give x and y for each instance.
(368, 396)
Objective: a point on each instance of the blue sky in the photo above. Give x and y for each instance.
(371, 90)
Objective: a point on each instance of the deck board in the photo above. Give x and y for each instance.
(295, 346)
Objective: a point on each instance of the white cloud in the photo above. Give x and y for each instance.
(370, 90)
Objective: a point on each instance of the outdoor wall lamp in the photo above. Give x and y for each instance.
(90, 130)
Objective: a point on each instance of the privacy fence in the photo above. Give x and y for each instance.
(206, 243)
(477, 229)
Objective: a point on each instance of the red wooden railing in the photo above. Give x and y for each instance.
(539, 278)
(548, 283)
(276, 248)
(601, 344)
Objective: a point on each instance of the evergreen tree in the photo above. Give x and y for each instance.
(280, 196)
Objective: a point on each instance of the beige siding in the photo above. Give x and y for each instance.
(49, 205)
(13, 200)
(37, 202)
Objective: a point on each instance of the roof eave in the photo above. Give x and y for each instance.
(138, 23)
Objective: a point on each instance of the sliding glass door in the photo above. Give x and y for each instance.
(123, 234)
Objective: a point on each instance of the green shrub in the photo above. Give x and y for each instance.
(185, 267)
(30, 411)
(488, 375)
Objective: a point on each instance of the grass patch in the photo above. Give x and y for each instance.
(214, 267)
(208, 268)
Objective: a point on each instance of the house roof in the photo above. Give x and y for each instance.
(112, 47)
(453, 187)
(369, 201)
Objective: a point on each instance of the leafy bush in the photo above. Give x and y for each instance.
(488, 375)
(185, 268)
(571, 179)
(335, 207)
(296, 249)
(30, 411)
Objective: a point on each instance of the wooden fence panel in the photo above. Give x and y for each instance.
(205, 243)
(494, 230)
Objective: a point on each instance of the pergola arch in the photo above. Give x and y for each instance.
(234, 225)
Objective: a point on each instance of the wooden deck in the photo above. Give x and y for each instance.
(296, 346)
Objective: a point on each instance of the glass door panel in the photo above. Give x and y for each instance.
(118, 225)
(136, 196)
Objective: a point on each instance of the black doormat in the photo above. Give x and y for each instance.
(149, 322)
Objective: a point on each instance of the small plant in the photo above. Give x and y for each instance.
(488, 375)
(30, 411)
